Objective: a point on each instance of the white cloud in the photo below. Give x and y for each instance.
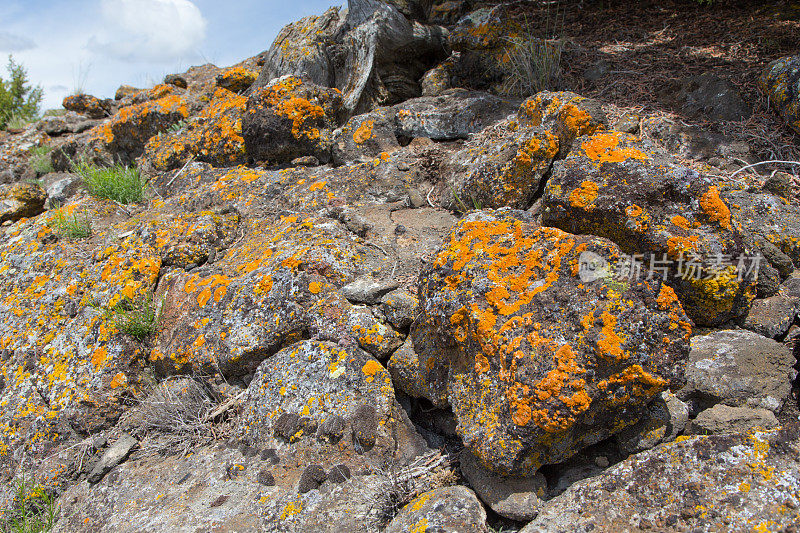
(11, 42)
(149, 30)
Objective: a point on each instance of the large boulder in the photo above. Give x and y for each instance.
(780, 81)
(89, 105)
(738, 368)
(21, 200)
(289, 118)
(735, 482)
(536, 362)
(670, 219)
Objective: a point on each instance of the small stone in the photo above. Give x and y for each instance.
(312, 477)
(368, 291)
(176, 80)
(113, 456)
(266, 478)
(365, 425)
(219, 501)
(339, 474)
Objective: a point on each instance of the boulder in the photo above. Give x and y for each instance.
(288, 119)
(535, 361)
(711, 97)
(726, 419)
(21, 200)
(512, 498)
(666, 418)
(780, 82)
(448, 509)
(366, 136)
(732, 482)
(670, 219)
(88, 105)
(772, 317)
(737, 368)
(236, 79)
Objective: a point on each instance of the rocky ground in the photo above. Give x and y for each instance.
(395, 293)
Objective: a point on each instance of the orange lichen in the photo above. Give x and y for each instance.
(364, 132)
(715, 208)
(604, 148)
(609, 344)
(584, 195)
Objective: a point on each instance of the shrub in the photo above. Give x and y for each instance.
(40, 160)
(19, 102)
(72, 226)
(137, 318)
(119, 183)
(33, 510)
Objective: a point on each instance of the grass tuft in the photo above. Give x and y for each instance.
(40, 160)
(33, 510)
(534, 64)
(137, 318)
(72, 227)
(119, 183)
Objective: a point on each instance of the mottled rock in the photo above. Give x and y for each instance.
(666, 418)
(448, 509)
(737, 368)
(399, 307)
(734, 482)
(289, 118)
(513, 498)
(712, 97)
(112, 457)
(452, 115)
(772, 317)
(511, 333)
(726, 419)
(780, 81)
(236, 79)
(21, 200)
(87, 104)
(619, 187)
(368, 291)
(366, 136)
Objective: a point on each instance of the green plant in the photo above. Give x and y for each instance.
(137, 318)
(40, 160)
(119, 183)
(33, 510)
(534, 63)
(19, 102)
(72, 226)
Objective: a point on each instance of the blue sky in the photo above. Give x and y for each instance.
(98, 45)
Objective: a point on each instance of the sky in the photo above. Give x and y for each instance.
(97, 45)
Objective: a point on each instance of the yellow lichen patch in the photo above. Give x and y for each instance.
(605, 148)
(713, 206)
(609, 344)
(364, 132)
(681, 222)
(584, 195)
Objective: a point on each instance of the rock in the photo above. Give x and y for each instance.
(368, 291)
(289, 119)
(60, 187)
(311, 478)
(511, 333)
(661, 489)
(772, 317)
(693, 142)
(374, 55)
(628, 123)
(113, 456)
(502, 166)
(124, 91)
(366, 136)
(565, 114)
(86, 104)
(448, 509)
(726, 419)
(214, 137)
(237, 79)
(305, 161)
(399, 307)
(452, 115)
(666, 418)
(737, 368)
(780, 82)
(779, 184)
(619, 187)
(512, 498)
(175, 79)
(21, 200)
(372, 335)
(712, 97)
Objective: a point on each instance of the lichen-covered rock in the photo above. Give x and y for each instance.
(237, 79)
(399, 307)
(773, 316)
(366, 136)
(215, 136)
(452, 115)
(89, 105)
(666, 418)
(665, 215)
(502, 166)
(566, 115)
(739, 482)
(448, 509)
(780, 81)
(726, 419)
(288, 119)
(21, 200)
(737, 368)
(537, 363)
